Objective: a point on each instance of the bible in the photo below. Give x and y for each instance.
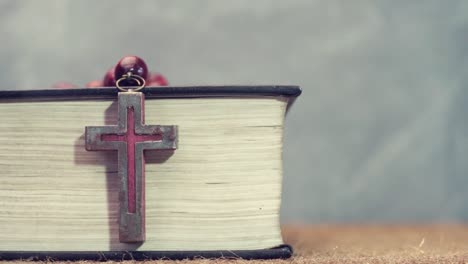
(173, 172)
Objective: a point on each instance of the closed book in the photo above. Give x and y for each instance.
(217, 194)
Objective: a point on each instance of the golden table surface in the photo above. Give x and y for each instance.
(365, 244)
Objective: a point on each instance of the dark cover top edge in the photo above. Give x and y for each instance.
(158, 92)
(280, 252)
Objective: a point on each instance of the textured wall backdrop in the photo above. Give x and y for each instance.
(380, 132)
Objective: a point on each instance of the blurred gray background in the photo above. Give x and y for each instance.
(380, 132)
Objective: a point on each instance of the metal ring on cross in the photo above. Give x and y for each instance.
(129, 76)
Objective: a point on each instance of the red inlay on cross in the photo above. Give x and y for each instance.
(130, 137)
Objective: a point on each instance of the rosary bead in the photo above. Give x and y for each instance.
(157, 79)
(64, 85)
(132, 64)
(95, 83)
(109, 79)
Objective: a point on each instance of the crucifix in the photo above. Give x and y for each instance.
(131, 137)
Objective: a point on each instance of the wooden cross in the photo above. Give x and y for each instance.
(131, 137)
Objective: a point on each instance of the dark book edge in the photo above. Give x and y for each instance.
(155, 92)
(280, 252)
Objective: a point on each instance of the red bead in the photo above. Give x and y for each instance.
(95, 83)
(132, 64)
(64, 85)
(156, 79)
(109, 79)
